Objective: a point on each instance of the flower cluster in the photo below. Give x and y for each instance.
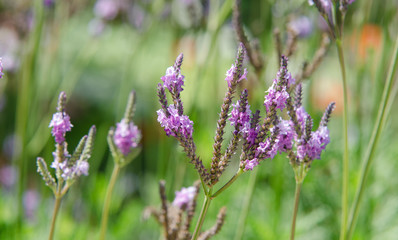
(174, 123)
(126, 136)
(231, 75)
(260, 140)
(240, 117)
(184, 196)
(173, 80)
(124, 140)
(60, 124)
(293, 136)
(68, 166)
(277, 93)
(171, 117)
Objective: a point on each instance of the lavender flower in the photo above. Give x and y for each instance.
(126, 136)
(174, 123)
(313, 148)
(68, 166)
(266, 150)
(172, 117)
(250, 164)
(60, 124)
(124, 140)
(309, 145)
(277, 98)
(240, 117)
(173, 80)
(230, 75)
(184, 197)
(284, 141)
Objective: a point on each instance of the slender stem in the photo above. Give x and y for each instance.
(246, 205)
(54, 218)
(237, 174)
(379, 124)
(105, 210)
(344, 196)
(296, 202)
(202, 216)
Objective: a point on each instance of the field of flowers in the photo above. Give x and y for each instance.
(198, 119)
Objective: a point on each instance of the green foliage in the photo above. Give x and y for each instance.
(99, 72)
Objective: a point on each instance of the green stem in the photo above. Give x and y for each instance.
(105, 210)
(246, 205)
(296, 202)
(202, 216)
(344, 196)
(54, 218)
(378, 127)
(237, 174)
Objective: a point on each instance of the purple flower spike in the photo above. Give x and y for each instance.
(250, 164)
(60, 124)
(126, 136)
(230, 75)
(173, 80)
(175, 123)
(241, 118)
(277, 98)
(184, 197)
(285, 137)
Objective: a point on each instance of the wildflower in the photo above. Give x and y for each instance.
(126, 136)
(250, 164)
(184, 196)
(175, 124)
(60, 124)
(240, 117)
(231, 73)
(173, 80)
(284, 141)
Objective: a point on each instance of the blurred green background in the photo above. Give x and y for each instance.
(98, 53)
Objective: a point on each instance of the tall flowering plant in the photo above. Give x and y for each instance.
(336, 25)
(124, 145)
(68, 167)
(262, 137)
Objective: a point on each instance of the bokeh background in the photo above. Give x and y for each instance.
(99, 51)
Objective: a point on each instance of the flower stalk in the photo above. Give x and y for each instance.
(124, 146)
(54, 217)
(108, 197)
(68, 168)
(203, 212)
(296, 203)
